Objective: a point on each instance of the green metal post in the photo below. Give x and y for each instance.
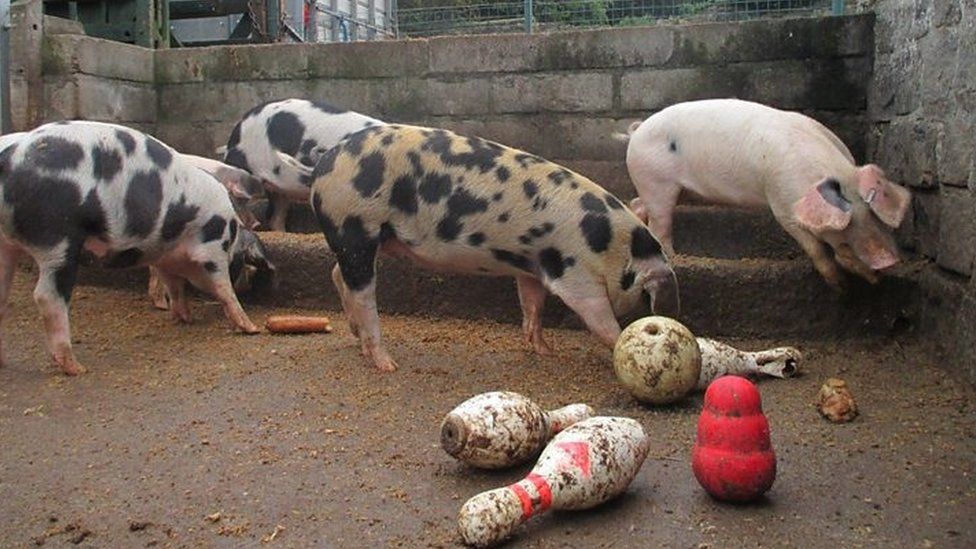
(528, 16)
(273, 11)
(838, 8)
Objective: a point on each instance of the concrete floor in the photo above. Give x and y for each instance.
(175, 423)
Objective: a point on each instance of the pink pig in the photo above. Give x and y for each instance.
(749, 155)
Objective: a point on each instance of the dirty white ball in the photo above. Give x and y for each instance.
(657, 359)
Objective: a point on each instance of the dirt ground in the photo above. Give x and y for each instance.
(193, 436)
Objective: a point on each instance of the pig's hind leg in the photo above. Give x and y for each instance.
(58, 269)
(344, 299)
(9, 254)
(157, 290)
(532, 297)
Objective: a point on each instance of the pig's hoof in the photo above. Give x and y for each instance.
(72, 368)
(385, 364)
(250, 329)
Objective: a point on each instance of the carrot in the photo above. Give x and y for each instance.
(294, 324)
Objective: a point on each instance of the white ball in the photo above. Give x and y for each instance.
(657, 359)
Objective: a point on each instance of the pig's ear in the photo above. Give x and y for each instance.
(887, 200)
(823, 208)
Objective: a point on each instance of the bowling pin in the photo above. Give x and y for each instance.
(585, 465)
(719, 359)
(503, 429)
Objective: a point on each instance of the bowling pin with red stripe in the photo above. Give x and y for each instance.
(587, 464)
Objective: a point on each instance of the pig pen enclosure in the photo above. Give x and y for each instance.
(190, 436)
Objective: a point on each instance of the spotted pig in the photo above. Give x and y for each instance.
(127, 198)
(299, 128)
(464, 204)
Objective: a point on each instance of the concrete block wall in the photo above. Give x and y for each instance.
(922, 110)
(558, 95)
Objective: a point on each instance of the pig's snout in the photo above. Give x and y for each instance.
(883, 259)
(663, 291)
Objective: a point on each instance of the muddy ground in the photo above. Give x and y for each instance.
(192, 436)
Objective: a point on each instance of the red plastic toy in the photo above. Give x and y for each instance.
(733, 458)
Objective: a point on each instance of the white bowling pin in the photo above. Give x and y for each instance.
(502, 429)
(584, 466)
(719, 359)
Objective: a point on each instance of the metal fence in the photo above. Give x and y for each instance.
(539, 15)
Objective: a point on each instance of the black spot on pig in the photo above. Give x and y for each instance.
(476, 239)
(91, 216)
(482, 155)
(158, 153)
(213, 229)
(503, 218)
(67, 273)
(530, 188)
(516, 260)
(552, 264)
(673, 146)
(325, 164)
(592, 204)
(387, 232)
(497, 197)
(597, 232)
(354, 143)
(418, 168)
(128, 142)
(643, 244)
(627, 280)
(236, 158)
(539, 204)
(525, 159)
(143, 200)
(276, 170)
(285, 132)
(370, 176)
(235, 136)
(449, 228)
(326, 108)
(464, 203)
(560, 175)
(54, 153)
(613, 202)
(503, 173)
(233, 232)
(403, 195)
(305, 151)
(434, 187)
(40, 205)
(210, 266)
(130, 257)
(106, 163)
(387, 140)
(178, 214)
(355, 249)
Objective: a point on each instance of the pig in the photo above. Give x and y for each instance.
(464, 204)
(242, 188)
(747, 154)
(128, 199)
(299, 128)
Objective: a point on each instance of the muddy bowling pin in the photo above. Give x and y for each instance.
(584, 466)
(719, 359)
(503, 429)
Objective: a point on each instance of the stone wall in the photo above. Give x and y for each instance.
(559, 95)
(922, 108)
(59, 73)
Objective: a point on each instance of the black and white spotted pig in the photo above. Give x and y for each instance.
(464, 204)
(302, 129)
(127, 198)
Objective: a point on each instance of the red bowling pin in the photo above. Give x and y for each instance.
(585, 465)
(733, 457)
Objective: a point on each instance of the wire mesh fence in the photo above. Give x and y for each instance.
(460, 17)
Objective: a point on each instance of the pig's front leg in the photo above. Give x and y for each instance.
(589, 300)
(532, 297)
(52, 294)
(212, 277)
(818, 251)
(278, 205)
(174, 287)
(157, 291)
(9, 254)
(360, 306)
